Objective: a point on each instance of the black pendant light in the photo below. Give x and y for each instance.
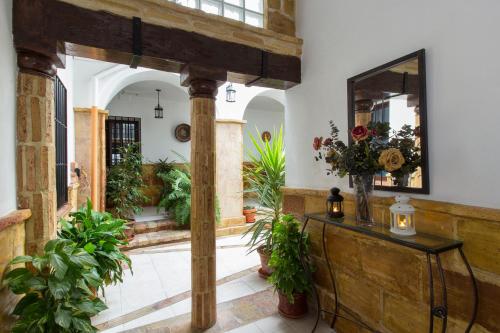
(230, 93)
(158, 108)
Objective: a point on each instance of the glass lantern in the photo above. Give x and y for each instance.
(402, 217)
(230, 93)
(335, 204)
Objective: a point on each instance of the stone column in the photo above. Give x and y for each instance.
(36, 180)
(203, 85)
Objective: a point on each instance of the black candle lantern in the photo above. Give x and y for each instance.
(335, 204)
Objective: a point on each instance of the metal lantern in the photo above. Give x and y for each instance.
(230, 93)
(335, 204)
(158, 108)
(402, 217)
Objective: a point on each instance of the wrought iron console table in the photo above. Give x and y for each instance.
(429, 244)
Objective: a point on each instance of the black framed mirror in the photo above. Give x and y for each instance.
(395, 93)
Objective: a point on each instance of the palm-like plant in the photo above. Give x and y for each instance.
(266, 177)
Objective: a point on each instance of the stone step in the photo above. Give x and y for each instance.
(174, 236)
(154, 226)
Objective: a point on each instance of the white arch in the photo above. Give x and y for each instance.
(277, 95)
(110, 82)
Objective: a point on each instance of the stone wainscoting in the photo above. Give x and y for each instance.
(385, 285)
(12, 244)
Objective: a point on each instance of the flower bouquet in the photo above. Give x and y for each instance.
(373, 150)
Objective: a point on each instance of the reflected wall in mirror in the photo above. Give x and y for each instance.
(394, 93)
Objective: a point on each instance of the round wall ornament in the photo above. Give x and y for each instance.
(183, 132)
(266, 136)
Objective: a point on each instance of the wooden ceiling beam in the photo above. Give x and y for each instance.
(51, 27)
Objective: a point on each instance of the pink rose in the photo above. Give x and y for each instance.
(317, 143)
(359, 133)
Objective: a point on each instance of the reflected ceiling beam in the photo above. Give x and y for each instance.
(388, 82)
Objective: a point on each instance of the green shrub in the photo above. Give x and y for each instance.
(57, 297)
(177, 200)
(100, 234)
(125, 184)
(266, 177)
(288, 275)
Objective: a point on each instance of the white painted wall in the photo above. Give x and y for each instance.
(157, 135)
(8, 74)
(265, 115)
(346, 37)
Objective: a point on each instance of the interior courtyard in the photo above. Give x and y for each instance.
(249, 166)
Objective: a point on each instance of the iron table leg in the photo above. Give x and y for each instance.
(442, 311)
(332, 278)
(309, 275)
(431, 294)
(474, 290)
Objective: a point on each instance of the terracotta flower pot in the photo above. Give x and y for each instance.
(265, 271)
(294, 311)
(249, 215)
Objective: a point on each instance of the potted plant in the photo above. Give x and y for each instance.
(124, 186)
(249, 212)
(289, 276)
(100, 235)
(56, 288)
(266, 177)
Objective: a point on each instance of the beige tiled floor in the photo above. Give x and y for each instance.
(157, 294)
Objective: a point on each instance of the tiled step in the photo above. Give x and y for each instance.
(154, 226)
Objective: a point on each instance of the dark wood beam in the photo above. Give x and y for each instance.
(42, 25)
(388, 82)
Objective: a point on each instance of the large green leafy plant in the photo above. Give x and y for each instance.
(176, 197)
(125, 184)
(289, 276)
(100, 235)
(266, 177)
(56, 288)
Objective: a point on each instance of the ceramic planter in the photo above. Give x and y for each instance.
(265, 271)
(249, 215)
(294, 311)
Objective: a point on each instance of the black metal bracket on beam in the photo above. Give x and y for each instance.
(136, 42)
(264, 63)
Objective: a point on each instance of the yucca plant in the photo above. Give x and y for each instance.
(55, 285)
(100, 235)
(266, 177)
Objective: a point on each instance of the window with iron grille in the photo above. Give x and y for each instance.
(120, 132)
(61, 121)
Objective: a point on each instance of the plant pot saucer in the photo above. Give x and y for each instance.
(263, 274)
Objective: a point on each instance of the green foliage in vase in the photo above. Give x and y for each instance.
(176, 194)
(100, 235)
(289, 276)
(125, 184)
(266, 177)
(57, 290)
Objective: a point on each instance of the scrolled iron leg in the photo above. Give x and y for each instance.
(431, 294)
(442, 311)
(474, 290)
(309, 275)
(332, 278)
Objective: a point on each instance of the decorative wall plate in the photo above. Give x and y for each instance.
(183, 132)
(266, 136)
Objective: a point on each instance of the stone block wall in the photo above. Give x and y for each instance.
(36, 180)
(386, 285)
(12, 244)
(280, 16)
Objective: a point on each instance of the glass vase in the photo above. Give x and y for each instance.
(363, 190)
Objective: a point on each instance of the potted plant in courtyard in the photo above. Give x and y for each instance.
(124, 186)
(56, 288)
(249, 212)
(289, 276)
(100, 235)
(266, 177)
